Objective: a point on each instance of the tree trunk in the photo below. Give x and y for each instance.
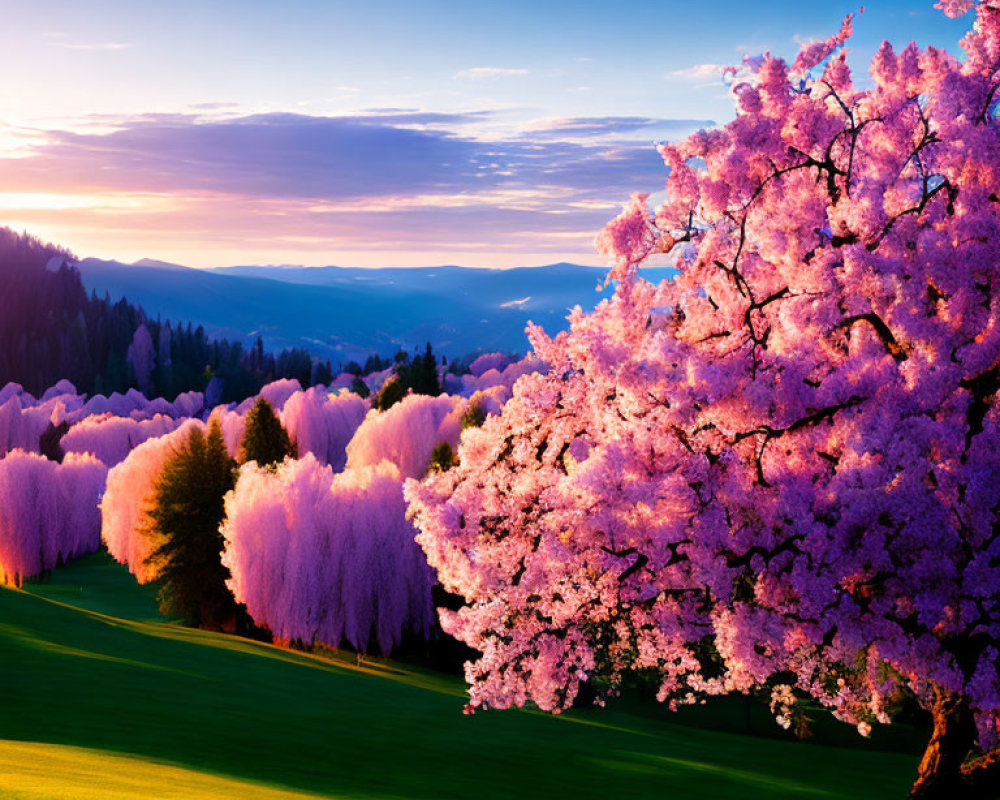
(939, 776)
(945, 772)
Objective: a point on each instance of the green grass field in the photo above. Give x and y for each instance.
(101, 698)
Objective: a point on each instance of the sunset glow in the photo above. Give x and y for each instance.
(140, 132)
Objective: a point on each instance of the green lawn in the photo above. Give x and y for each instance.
(100, 698)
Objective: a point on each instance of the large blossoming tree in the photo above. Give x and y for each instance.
(782, 468)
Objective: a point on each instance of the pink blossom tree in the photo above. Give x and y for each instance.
(324, 557)
(791, 478)
(23, 420)
(407, 433)
(49, 512)
(322, 423)
(128, 496)
(141, 357)
(112, 438)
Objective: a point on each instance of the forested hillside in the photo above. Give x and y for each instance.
(51, 329)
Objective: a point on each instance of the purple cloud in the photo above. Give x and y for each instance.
(577, 127)
(337, 158)
(400, 178)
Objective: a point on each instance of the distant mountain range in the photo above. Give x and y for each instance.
(344, 313)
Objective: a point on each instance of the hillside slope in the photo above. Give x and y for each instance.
(101, 698)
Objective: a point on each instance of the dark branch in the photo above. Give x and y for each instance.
(882, 330)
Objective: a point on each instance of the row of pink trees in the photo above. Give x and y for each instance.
(793, 475)
(319, 549)
(48, 512)
(321, 555)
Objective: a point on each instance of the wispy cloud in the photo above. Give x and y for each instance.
(483, 73)
(636, 128)
(216, 105)
(98, 46)
(699, 72)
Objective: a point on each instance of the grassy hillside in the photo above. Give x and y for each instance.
(100, 698)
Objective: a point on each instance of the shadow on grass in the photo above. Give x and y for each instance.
(85, 663)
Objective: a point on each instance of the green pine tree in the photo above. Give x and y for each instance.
(266, 441)
(442, 458)
(185, 516)
(393, 390)
(474, 416)
(359, 387)
(428, 375)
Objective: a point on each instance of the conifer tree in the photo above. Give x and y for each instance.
(442, 458)
(266, 441)
(184, 517)
(359, 387)
(392, 391)
(429, 382)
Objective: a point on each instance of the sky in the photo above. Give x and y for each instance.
(376, 133)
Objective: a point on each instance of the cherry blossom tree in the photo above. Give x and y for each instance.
(49, 512)
(782, 468)
(112, 438)
(322, 423)
(324, 557)
(407, 433)
(492, 371)
(276, 393)
(23, 420)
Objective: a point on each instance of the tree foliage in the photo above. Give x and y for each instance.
(324, 557)
(130, 489)
(420, 374)
(782, 468)
(442, 458)
(183, 521)
(48, 512)
(322, 423)
(407, 433)
(266, 441)
(391, 392)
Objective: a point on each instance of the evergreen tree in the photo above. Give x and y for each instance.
(419, 373)
(392, 391)
(474, 416)
(184, 520)
(374, 363)
(427, 374)
(266, 441)
(322, 373)
(442, 458)
(359, 387)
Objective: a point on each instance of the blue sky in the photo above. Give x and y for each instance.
(371, 133)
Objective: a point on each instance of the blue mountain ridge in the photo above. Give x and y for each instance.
(342, 313)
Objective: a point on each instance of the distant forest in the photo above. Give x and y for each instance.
(50, 329)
